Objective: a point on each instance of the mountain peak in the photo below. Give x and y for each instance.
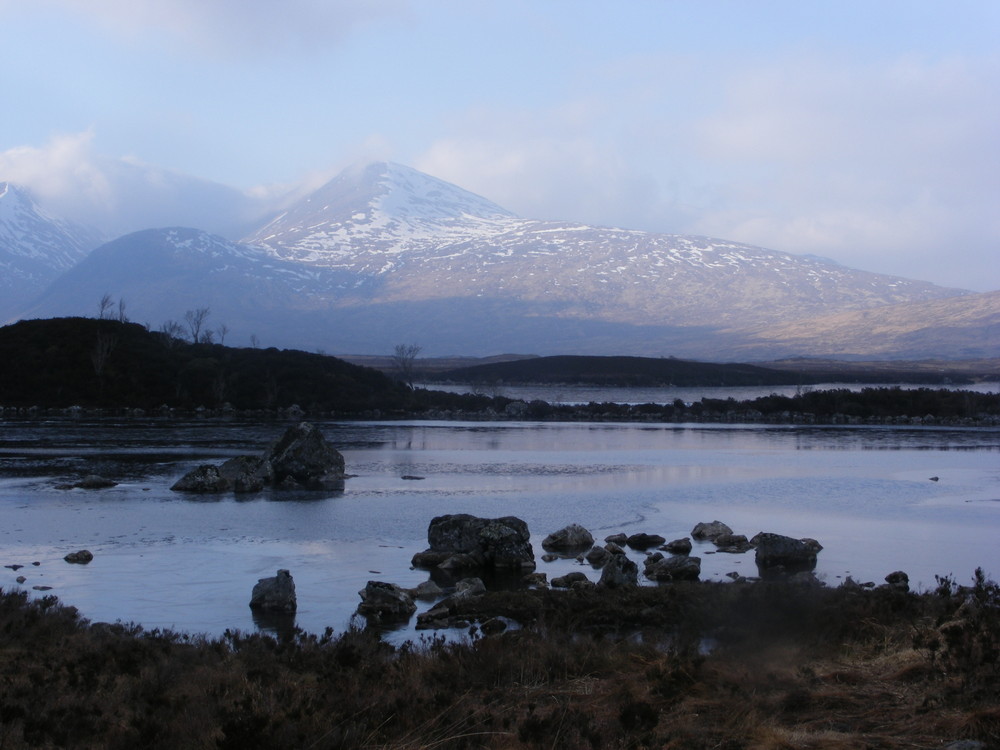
(378, 201)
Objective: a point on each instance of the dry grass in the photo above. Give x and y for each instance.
(792, 668)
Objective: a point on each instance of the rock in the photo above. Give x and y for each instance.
(275, 594)
(426, 590)
(619, 571)
(95, 482)
(465, 541)
(898, 580)
(412, 477)
(469, 588)
(678, 546)
(567, 581)
(20, 579)
(385, 601)
(619, 539)
(570, 538)
(206, 478)
(597, 557)
(614, 549)
(247, 473)
(492, 626)
(41, 588)
(435, 618)
(303, 455)
(644, 541)
(14, 566)
(779, 554)
(80, 557)
(536, 579)
(710, 530)
(674, 568)
(735, 543)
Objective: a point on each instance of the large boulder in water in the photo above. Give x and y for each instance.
(779, 554)
(276, 594)
(303, 457)
(464, 541)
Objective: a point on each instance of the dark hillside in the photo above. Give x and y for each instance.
(81, 361)
(622, 371)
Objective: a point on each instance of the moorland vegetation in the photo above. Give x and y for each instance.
(766, 665)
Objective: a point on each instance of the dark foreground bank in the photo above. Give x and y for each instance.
(764, 665)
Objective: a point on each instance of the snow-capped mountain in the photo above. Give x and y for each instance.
(400, 236)
(34, 248)
(384, 254)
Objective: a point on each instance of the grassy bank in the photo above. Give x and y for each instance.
(766, 665)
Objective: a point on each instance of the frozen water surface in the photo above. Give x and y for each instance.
(164, 559)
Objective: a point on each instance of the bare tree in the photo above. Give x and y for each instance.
(208, 336)
(122, 317)
(104, 306)
(254, 341)
(171, 331)
(222, 330)
(403, 358)
(195, 319)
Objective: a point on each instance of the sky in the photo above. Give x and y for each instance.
(864, 131)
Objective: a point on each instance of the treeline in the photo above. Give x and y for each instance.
(113, 364)
(85, 362)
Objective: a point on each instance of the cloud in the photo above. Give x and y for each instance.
(242, 28)
(887, 166)
(116, 196)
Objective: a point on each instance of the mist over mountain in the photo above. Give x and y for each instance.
(385, 254)
(34, 248)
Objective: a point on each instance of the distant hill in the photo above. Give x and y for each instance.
(621, 371)
(85, 362)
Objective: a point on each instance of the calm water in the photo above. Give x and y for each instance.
(169, 560)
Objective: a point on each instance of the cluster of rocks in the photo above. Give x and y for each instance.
(300, 459)
(465, 548)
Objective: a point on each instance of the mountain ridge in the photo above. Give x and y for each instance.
(384, 253)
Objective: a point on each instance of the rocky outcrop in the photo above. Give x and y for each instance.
(275, 594)
(303, 457)
(777, 554)
(710, 531)
(672, 568)
(573, 538)
(300, 459)
(385, 601)
(462, 541)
